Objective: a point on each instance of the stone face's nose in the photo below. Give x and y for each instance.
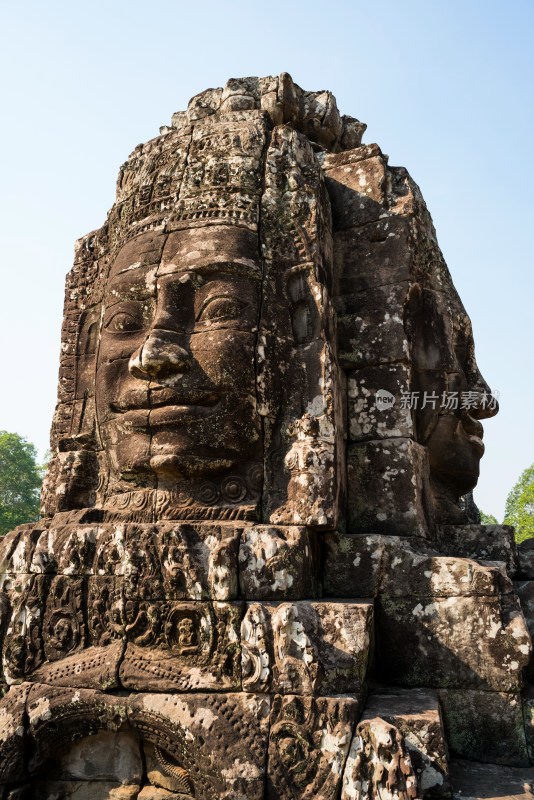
(162, 354)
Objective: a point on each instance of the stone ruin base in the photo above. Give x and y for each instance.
(378, 667)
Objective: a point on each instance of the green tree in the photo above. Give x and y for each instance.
(487, 519)
(20, 481)
(519, 510)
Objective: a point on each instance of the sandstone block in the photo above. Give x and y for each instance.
(353, 564)
(23, 603)
(13, 741)
(452, 642)
(59, 717)
(182, 646)
(481, 542)
(370, 327)
(415, 713)
(17, 546)
(368, 417)
(156, 793)
(66, 549)
(525, 554)
(375, 254)
(306, 647)
(357, 190)
(173, 561)
(189, 731)
(378, 764)
(309, 740)
(278, 563)
(387, 484)
(356, 565)
(484, 726)
(491, 781)
(91, 668)
(525, 592)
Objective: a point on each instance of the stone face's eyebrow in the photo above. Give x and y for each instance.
(134, 282)
(215, 265)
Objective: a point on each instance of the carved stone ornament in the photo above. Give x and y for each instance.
(257, 518)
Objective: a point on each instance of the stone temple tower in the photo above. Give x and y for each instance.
(255, 575)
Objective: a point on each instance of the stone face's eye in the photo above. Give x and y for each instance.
(216, 309)
(125, 320)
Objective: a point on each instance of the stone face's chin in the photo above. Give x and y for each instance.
(455, 448)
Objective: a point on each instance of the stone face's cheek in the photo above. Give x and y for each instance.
(226, 359)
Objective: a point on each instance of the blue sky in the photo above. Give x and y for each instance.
(444, 87)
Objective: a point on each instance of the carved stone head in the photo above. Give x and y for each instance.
(211, 323)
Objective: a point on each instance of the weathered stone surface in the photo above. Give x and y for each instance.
(93, 668)
(23, 604)
(387, 485)
(213, 744)
(525, 554)
(525, 593)
(453, 642)
(308, 743)
(353, 564)
(58, 717)
(13, 744)
(481, 542)
(376, 409)
(170, 560)
(83, 790)
(279, 563)
(415, 714)
(484, 726)
(16, 548)
(304, 464)
(306, 647)
(105, 756)
(378, 764)
(357, 183)
(182, 647)
(491, 781)
(157, 793)
(356, 565)
(376, 254)
(528, 716)
(370, 327)
(65, 549)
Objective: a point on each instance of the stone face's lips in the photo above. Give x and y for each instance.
(171, 414)
(474, 431)
(140, 399)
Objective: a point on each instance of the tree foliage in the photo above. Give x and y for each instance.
(20, 481)
(519, 510)
(487, 519)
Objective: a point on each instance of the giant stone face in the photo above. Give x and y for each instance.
(175, 371)
(238, 541)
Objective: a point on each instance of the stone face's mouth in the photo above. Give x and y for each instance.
(176, 401)
(474, 431)
(182, 398)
